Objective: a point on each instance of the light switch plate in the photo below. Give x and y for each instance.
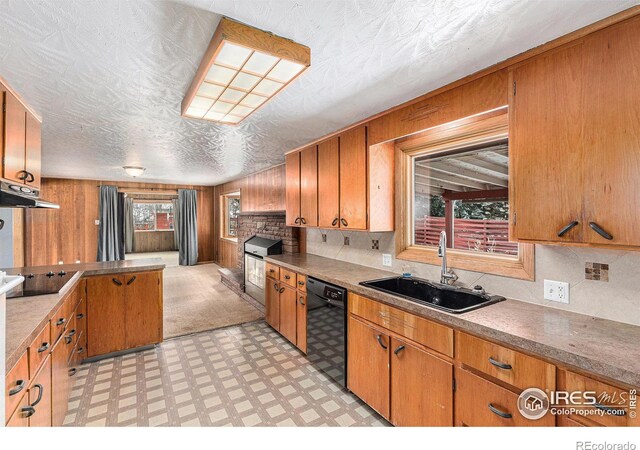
(97, 221)
(386, 259)
(556, 291)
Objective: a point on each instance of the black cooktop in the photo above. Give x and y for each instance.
(41, 284)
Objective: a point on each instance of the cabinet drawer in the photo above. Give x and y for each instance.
(288, 277)
(39, 350)
(481, 403)
(608, 398)
(508, 365)
(302, 283)
(433, 335)
(16, 384)
(273, 271)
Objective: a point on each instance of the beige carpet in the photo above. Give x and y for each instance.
(195, 300)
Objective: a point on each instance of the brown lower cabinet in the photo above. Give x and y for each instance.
(288, 316)
(285, 304)
(34, 409)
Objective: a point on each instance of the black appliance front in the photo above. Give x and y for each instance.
(327, 328)
(41, 284)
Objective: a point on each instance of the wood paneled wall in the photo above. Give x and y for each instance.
(154, 241)
(259, 192)
(70, 234)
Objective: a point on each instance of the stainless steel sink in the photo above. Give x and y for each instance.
(453, 299)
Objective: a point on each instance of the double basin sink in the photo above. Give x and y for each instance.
(453, 299)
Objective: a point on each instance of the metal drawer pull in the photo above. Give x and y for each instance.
(61, 321)
(132, 280)
(379, 338)
(287, 277)
(297, 220)
(594, 226)
(615, 411)
(500, 365)
(301, 302)
(303, 221)
(272, 270)
(275, 286)
(301, 283)
(80, 350)
(44, 347)
(281, 290)
(28, 411)
(69, 337)
(344, 222)
(80, 316)
(502, 414)
(398, 350)
(566, 229)
(40, 391)
(20, 385)
(116, 281)
(72, 371)
(335, 222)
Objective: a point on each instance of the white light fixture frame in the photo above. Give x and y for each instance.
(243, 68)
(134, 171)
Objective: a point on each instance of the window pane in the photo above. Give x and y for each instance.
(233, 209)
(143, 216)
(164, 216)
(464, 193)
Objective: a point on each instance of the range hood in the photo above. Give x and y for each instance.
(15, 195)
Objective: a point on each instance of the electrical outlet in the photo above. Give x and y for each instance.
(386, 259)
(556, 291)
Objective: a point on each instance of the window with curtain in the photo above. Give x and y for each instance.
(230, 212)
(153, 216)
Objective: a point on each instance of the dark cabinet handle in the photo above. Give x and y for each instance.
(297, 220)
(30, 178)
(301, 283)
(594, 226)
(275, 286)
(379, 338)
(44, 347)
(116, 281)
(301, 302)
(335, 222)
(281, 290)
(287, 277)
(40, 391)
(500, 365)
(272, 270)
(61, 321)
(20, 385)
(497, 412)
(69, 337)
(28, 411)
(131, 280)
(344, 222)
(80, 316)
(72, 371)
(23, 175)
(80, 350)
(615, 411)
(303, 221)
(398, 350)
(566, 229)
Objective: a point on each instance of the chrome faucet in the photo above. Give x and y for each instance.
(446, 275)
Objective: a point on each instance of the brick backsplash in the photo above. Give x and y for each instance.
(269, 226)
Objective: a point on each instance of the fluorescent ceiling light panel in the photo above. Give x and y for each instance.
(242, 69)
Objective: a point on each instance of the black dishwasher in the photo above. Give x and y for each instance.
(327, 328)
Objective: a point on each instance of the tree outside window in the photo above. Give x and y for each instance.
(231, 210)
(153, 216)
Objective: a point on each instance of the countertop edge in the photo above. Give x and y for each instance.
(549, 353)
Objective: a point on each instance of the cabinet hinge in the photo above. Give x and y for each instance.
(514, 88)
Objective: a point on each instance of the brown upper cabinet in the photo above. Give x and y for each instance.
(22, 141)
(574, 142)
(342, 183)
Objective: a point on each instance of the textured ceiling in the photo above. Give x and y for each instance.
(108, 76)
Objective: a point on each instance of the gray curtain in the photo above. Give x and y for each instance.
(176, 213)
(187, 227)
(129, 234)
(109, 234)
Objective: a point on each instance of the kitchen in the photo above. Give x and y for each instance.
(455, 249)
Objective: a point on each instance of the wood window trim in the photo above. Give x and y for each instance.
(483, 128)
(224, 202)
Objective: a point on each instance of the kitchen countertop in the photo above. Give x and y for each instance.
(26, 316)
(602, 347)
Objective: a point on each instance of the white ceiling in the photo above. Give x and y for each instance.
(108, 76)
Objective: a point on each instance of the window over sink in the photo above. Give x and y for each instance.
(455, 179)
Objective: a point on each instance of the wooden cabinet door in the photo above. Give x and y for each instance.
(14, 138)
(40, 397)
(353, 179)
(16, 384)
(546, 139)
(33, 150)
(292, 188)
(19, 418)
(105, 314)
(60, 383)
(272, 303)
(612, 134)
(329, 184)
(416, 402)
(309, 187)
(368, 365)
(301, 322)
(143, 308)
(288, 302)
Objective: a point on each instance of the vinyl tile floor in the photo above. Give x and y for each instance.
(246, 375)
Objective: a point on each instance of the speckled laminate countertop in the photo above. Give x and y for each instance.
(26, 316)
(603, 347)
